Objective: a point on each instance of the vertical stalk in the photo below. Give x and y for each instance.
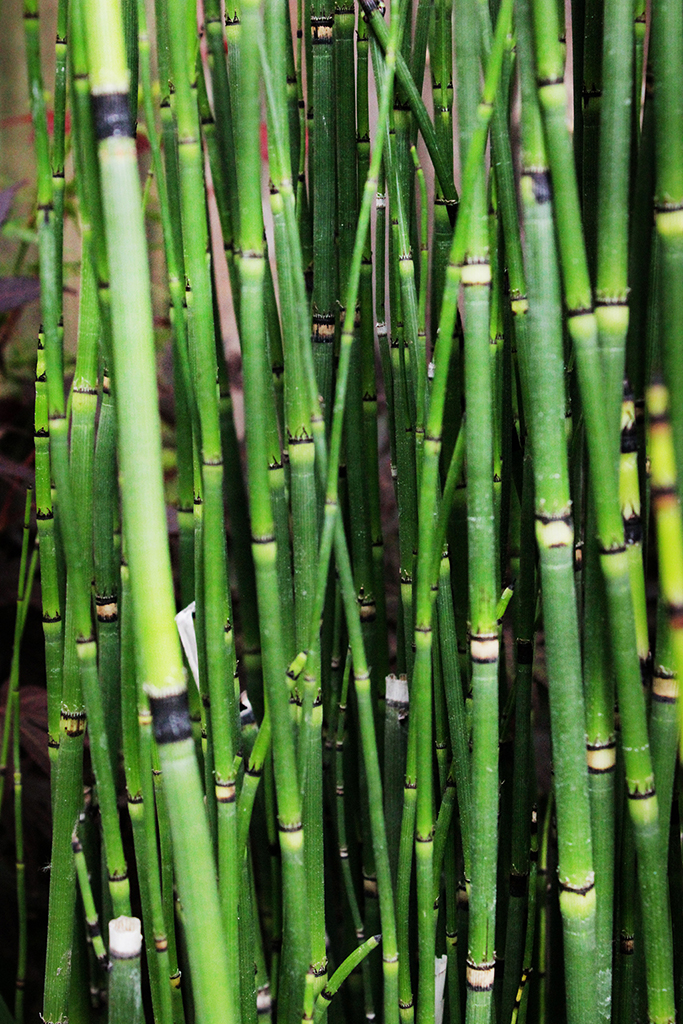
(555, 538)
(296, 945)
(160, 665)
(582, 325)
(321, 92)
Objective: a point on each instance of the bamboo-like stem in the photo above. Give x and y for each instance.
(139, 451)
(325, 279)
(521, 888)
(664, 723)
(625, 928)
(49, 231)
(669, 532)
(428, 492)
(667, 53)
(482, 560)
(148, 874)
(614, 559)
(341, 824)
(600, 753)
(361, 677)
(214, 595)
(519, 1012)
(11, 731)
(629, 497)
(168, 893)
(611, 289)
(67, 799)
(380, 661)
(640, 256)
(125, 991)
(26, 574)
(554, 532)
(591, 96)
(59, 140)
(166, 177)
(379, 28)
(332, 527)
(341, 974)
(89, 909)
(49, 585)
(296, 948)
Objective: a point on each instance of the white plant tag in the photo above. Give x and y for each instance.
(440, 964)
(397, 689)
(188, 638)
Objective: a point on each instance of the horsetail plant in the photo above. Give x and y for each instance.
(415, 565)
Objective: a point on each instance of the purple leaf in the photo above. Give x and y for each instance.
(17, 291)
(6, 197)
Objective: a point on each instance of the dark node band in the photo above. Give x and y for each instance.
(668, 207)
(518, 885)
(171, 718)
(633, 530)
(629, 439)
(225, 792)
(480, 977)
(542, 187)
(663, 494)
(400, 705)
(424, 839)
(644, 795)
(73, 722)
(296, 827)
(124, 956)
(370, 890)
(545, 518)
(675, 614)
(577, 890)
(111, 116)
(322, 31)
(663, 689)
(525, 652)
(612, 551)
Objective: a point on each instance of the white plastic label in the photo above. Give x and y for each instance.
(125, 937)
(188, 638)
(440, 964)
(397, 689)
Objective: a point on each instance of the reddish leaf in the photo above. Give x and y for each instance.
(6, 197)
(17, 291)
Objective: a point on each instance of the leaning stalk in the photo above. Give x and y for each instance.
(160, 663)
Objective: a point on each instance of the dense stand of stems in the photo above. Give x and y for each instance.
(399, 779)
